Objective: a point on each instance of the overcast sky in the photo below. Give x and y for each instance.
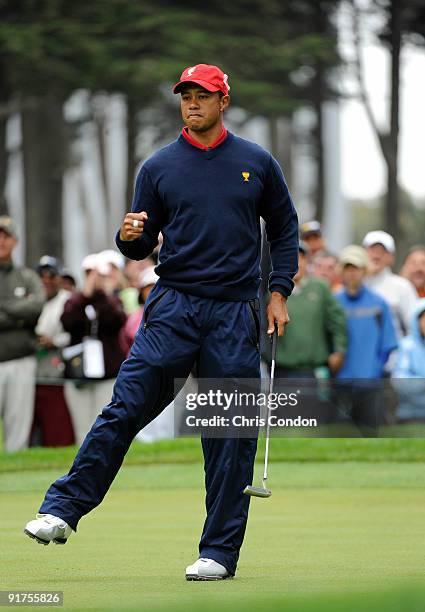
(363, 172)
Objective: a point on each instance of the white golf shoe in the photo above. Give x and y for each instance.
(48, 528)
(206, 569)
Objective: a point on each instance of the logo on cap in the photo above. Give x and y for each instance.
(245, 176)
(211, 78)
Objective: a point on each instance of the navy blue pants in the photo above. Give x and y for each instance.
(177, 331)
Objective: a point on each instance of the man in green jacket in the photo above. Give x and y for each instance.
(316, 338)
(313, 346)
(21, 301)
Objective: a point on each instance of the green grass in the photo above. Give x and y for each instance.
(342, 536)
(187, 450)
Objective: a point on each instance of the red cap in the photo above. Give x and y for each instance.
(209, 77)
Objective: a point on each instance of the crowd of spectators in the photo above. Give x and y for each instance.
(355, 321)
(352, 321)
(61, 345)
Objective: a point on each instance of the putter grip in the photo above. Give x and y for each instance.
(274, 344)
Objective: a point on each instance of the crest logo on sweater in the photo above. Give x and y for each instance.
(245, 177)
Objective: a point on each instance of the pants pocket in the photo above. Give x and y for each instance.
(153, 305)
(253, 309)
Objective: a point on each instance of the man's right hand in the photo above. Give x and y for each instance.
(128, 231)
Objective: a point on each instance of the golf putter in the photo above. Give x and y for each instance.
(264, 491)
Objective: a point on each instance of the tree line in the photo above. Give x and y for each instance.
(281, 56)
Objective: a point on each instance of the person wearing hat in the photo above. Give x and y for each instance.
(68, 281)
(49, 329)
(52, 423)
(371, 331)
(396, 290)
(311, 234)
(114, 261)
(93, 312)
(21, 301)
(205, 192)
(371, 339)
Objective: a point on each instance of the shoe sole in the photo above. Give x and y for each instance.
(44, 542)
(195, 577)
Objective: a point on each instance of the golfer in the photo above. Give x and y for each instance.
(205, 192)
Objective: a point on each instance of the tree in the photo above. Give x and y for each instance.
(3, 151)
(49, 48)
(402, 20)
(37, 80)
(274, 70)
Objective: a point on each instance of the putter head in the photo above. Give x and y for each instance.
(257, 491)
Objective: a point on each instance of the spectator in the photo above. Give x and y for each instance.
(371, 331)
(133, 271)
(414, 268)
(115, 280)
(313, 345)
(52, 424)
(21, 301)
(68, 281)
(161, 428)
(147, 282)
(115, 259)
(317, 334)
(84, 397)
(49, 329)
(134, 268)
(397, 291)
(371, 339)
(408, 376)
(311, 234)
(325, 266)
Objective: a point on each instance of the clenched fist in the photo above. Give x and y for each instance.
(132, 226)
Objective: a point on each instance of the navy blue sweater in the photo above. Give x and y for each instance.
(208, 204)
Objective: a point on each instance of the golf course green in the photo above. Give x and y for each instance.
(344, 534)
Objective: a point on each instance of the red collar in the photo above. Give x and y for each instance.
(196, 143)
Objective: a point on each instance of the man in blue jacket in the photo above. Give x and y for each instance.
(205, 192)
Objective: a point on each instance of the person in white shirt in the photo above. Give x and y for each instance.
(52, 424)
(396, 290)
(49, 329)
